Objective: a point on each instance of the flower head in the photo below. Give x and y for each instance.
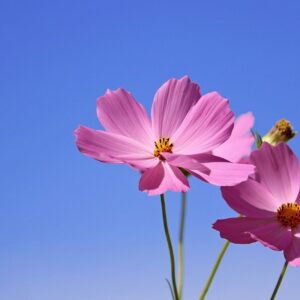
(269, 203)
(183, 131)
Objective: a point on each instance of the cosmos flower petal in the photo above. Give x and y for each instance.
(109, 147)
(162, 178)
(212, 169)
(236, 230)
(140, 162)
(272, 234)
(298, 198)
(292, 252)
(208, 124)
(278, 170)
(250, 199)
(241, 140)
(120, 113)
(172, 102)
(224, 173)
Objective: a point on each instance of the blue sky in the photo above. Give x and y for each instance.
(74, 229)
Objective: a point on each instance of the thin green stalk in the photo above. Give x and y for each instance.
(173, 276)
(279, 280)
(214, 270)
(171, 289)
(180, 245)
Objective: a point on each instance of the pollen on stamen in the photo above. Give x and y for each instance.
(288, 214)
(162, 145)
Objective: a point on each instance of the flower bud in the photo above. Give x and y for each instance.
(281, 132)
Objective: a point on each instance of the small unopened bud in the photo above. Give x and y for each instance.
(281, 132)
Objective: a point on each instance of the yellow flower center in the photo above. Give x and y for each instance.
(288, 214)
(162, 145)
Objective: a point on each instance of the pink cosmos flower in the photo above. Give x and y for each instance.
(269, 203)
(184, 129)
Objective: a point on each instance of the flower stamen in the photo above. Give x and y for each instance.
(162, 145)
(288, 214)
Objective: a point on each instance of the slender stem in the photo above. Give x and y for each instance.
(214, 270)
(171, 289)
(164, 214)
(180, 245)
(279, 280)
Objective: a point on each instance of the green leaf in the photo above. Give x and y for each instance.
(258, 139)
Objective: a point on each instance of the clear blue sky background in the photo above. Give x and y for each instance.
(74, 229)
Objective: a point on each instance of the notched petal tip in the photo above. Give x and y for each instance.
(76, 131)
(80, 131)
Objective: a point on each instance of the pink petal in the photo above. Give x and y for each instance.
(120, 113)
(292, 252)
(225, 173)
(207, 125)
(212, 169)
(171, 103)
(250, 199)
(191, 161)
(298, 198)
(236, 230)
(110, 147)
(272, 234)
(278, 169)
(161, 178)
(267, 231)
(240, 142)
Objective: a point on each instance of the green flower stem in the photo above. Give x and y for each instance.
(214, 270)
(279, 280)
(180, 245)
(164, 214)
(227, 243)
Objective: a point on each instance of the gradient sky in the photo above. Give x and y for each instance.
(74, 229)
